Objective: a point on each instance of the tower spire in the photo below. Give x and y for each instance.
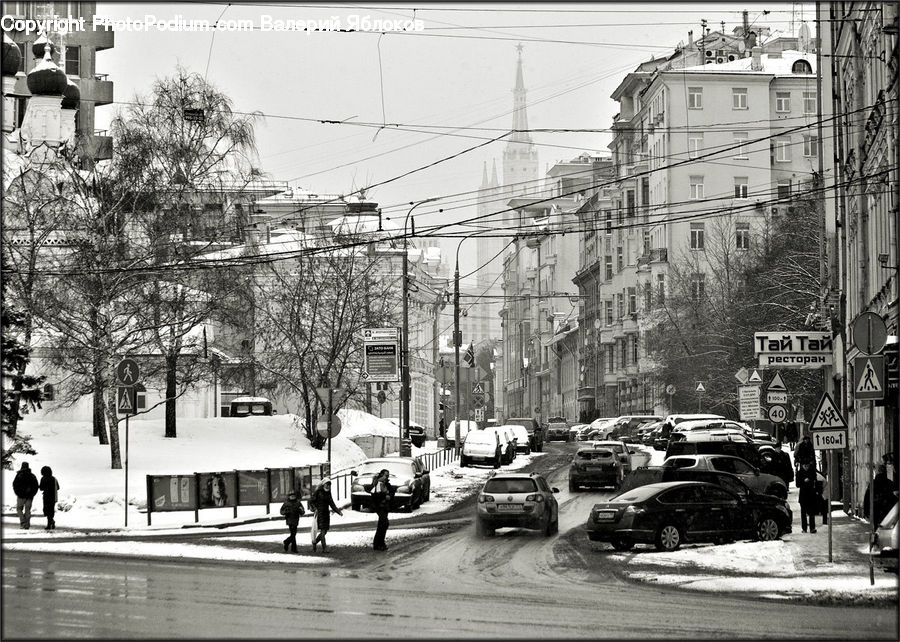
(520, 115)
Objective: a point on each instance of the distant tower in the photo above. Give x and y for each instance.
(520, 158)
(489, 259)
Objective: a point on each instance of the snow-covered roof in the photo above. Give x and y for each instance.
(779, 65)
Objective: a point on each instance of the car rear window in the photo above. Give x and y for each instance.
(685, 462)
(481, 437)
(510, 486)
(638, 494)
(594, 454)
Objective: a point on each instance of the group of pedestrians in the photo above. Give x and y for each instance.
(321, 504)
(26, 486)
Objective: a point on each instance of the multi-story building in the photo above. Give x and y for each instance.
(76, 54)
(862, 72)
(704, 141)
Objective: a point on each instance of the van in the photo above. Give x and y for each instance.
(464, 427)
(535, 432)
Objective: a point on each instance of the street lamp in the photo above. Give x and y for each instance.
(404, 350)
(457, 338)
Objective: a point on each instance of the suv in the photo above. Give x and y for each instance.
(557, 428)
(714, 443)
(595, 466)
(522, 500)
(535, 432)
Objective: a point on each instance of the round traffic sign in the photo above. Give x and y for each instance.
(869, 333)
(128, 372)
(777, 414)
(322, 426)
(670, 389)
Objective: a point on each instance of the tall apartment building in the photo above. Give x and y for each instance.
(722, 127)
(77, 56)
(861, 76)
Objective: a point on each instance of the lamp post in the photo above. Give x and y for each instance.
(457, 340)
(404, 350)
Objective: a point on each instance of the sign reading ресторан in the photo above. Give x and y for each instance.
(803, 350)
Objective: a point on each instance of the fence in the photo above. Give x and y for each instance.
(234, 488)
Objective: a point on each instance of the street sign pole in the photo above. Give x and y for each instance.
(330, 408)
(126, 470)
(871, 491)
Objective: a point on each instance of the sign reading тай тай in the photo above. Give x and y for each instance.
(804, 350)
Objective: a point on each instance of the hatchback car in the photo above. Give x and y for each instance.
(523, 444)
(595, 466)
(408, 477)
(482, 447)
(522, 500)
(630, 456)
(557, 428)
(757, 481)
(669, 513)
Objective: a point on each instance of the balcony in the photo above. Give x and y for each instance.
(97, 91)
(659, 255)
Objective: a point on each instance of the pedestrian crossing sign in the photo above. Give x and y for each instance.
(827, 415)
(868, 377)
(126, 400)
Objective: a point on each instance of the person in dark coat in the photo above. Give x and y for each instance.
(382, 494)
(807, 482)
(25, 486)
(804, 452)
(783, 465)
(50, 487)
(293, 510)
(885, 498)
(322, 503)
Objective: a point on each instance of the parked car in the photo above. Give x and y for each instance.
(669, 513)
(600, 428)
(626, 425)
(535, 432)
(523, 444)
(247, 406)
(557, 428)
(671, 421)
(716, 443)
(629, 456)
(886, 540)
(481, 447)
(409, 478)
(646, 432)
(464, 427)
(507, 443)
(691, 425)
(756, 480)
(574, 431)
(417, 432)
(595, 466)
(523, 500)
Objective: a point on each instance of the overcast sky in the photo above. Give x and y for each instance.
(441, 91)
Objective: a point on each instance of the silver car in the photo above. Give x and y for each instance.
(757, 481)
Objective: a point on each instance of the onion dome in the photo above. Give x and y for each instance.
(11, 56)
(37, 48)
(47, 79)
(71, 96)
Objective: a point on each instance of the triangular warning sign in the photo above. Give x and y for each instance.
(755, 378)
(700, 387)
(869, 381)
(478, 388)
(827, 415)
(777, 383)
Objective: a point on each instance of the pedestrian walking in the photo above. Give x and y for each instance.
(382, 494)
(322, 503)
(293, 510)
(25, 486)
(885, 498)
(810, 493)
(50, 488)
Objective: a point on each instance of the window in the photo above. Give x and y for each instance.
(739, 98)
(696, 187)
(801, 67)
(648, 295)
(697, 234)
(619, 260)
(608, 214)
(609, 358)
(634, 349)
(809, 102)
(742, 236)
(49, 392)
(782, 101)
(632, 300)
(73, 61)
(810, 145)
(660, 288)
(620, 305)
(695, 97)
(609, 312)
(629, 202)
(783, 150)
(698, 285)
(740, 187)
(609, 267)
(740, 140)
(784, 188)
(695, 144)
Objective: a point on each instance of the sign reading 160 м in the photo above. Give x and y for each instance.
(805, 350)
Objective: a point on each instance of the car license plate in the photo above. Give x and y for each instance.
(605, 516)
(507, 507)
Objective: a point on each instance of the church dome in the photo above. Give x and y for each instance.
(11, 56)
(71, 96)
(46, 79)
(37, 47)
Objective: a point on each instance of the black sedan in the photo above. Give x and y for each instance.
(408, 477)
(669, 513)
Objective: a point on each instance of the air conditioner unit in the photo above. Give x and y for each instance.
(720, 59)
(710, 53)
(710, 61)
(732, 56)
